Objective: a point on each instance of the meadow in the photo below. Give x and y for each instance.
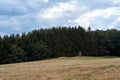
(64, 68)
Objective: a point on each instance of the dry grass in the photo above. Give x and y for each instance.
(74, 68)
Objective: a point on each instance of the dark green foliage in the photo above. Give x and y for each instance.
(16, 54)
(56, 42)
(38, 51)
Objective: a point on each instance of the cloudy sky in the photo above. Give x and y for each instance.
(17, 16)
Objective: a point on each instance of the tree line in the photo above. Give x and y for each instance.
(58, 41)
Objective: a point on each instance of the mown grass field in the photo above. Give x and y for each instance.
(64, 68)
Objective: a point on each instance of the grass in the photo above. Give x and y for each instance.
(64, 68)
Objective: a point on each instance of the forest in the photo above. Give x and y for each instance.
(58, 42)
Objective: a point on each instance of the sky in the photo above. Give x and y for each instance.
(17, 16)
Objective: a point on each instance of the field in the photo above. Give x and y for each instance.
(64, 68)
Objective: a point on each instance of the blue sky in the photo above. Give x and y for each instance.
(17, 16)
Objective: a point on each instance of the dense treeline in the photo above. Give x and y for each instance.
(56, 42)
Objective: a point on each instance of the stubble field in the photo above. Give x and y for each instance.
(64, 68)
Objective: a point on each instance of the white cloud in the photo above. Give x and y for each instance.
(24, 15)
(14, 7)
(60, 10)
(115, 23)
(117, 20)
(46, 1)
(95, 16)
(116, 1)
(11, 23)
(35, 4)
(8, 6)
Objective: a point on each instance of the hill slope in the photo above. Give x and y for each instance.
(74, 68)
